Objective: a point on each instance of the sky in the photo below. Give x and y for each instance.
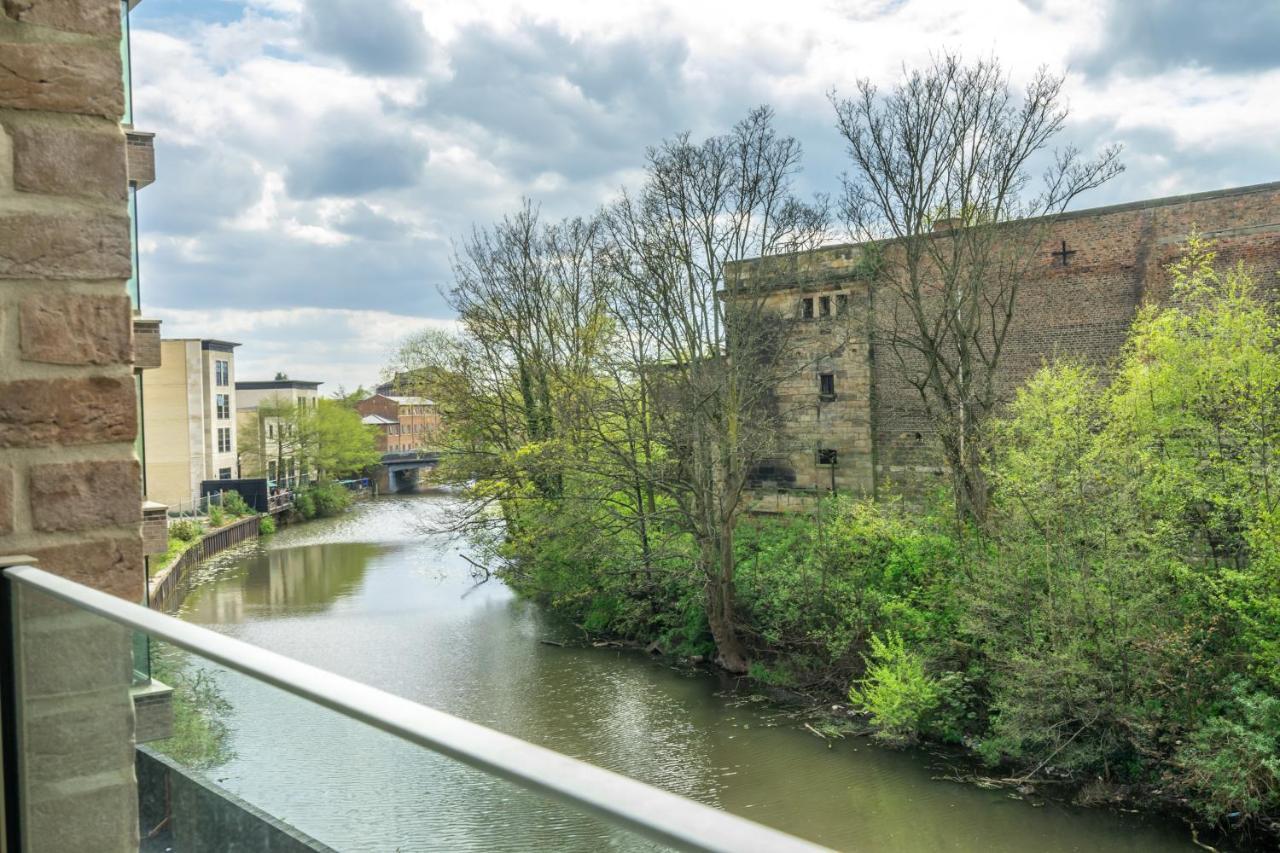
(318, 160)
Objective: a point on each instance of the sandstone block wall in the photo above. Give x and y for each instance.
(70, 491)
(1081, 310)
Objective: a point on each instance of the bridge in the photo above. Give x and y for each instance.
(398, 472)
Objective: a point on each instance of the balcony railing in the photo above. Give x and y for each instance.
(68, 747)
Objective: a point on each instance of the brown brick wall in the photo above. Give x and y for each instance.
(69, 483)
(1082, 310)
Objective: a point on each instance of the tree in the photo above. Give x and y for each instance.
(342, 444)
(941, 171)
(699, 334)
(348, 399)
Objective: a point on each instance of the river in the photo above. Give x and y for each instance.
(369, 595)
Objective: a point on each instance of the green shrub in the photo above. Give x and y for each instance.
(896, 691)
(267, 525)
(234, 503)
(330, 499)
(1231, 762)
(217, 517)
(304, 505)
(185, 529)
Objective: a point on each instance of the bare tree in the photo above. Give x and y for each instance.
(941, 189)
(699, 336)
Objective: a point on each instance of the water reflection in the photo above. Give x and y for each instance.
(369, 596)
(281, 582)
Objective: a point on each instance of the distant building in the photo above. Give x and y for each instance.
(268, 445)
(405, 423)
(384, 425)
(188, 410)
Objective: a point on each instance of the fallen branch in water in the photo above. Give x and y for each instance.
(1195, 839)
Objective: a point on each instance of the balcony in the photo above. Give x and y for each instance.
(140, 158)
(74, 779)
(146, 343)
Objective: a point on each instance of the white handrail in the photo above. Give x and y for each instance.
(660, 815)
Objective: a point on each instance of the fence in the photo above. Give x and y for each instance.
(164, 587)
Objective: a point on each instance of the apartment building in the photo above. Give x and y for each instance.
(189, 415)
(266, 417)
(140, 171)
(404, 423)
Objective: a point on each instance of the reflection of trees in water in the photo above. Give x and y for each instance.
(201, 713)
(309, 577)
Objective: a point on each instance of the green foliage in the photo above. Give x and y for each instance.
(1231, 762)
(267, 525)
(200, 737)
(322, 500)
(896, 691)
(234, 503)
(217, 516)
(816, 588)
(185, 529)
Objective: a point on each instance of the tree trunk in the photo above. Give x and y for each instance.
(731, 654)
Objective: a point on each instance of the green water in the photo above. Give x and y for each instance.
(374, 597)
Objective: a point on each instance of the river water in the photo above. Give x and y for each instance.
(371, 596)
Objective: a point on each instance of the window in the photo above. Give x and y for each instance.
(806, 308)
(222, 373)
(842, 304)
(826, 386)
(224, 439)
(224, 473)
(271, 430)
(826, 456)
(223, 404)
(271, 470)
(824, 306)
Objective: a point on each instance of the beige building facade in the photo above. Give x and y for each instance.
(267, 441)
(189, 415)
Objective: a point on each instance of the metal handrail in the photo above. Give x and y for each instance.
(657, 814)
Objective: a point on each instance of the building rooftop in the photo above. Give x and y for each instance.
(206, 343)
(410, 401)
(377, 420)
(268, 384)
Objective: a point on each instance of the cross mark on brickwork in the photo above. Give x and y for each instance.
(1064, 253)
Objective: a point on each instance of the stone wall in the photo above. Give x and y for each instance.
(877, 423)
(70, 492)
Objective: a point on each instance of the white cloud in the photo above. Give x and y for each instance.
(264, 209)
(334, 346)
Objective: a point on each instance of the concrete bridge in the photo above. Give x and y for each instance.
(399, 472)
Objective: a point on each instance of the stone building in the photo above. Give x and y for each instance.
(70, 481)
(266, 448)
(189, 414)
(856, 425)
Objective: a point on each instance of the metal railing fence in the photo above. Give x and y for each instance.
(660, 815)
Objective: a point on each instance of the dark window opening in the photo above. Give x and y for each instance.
(224, 473)
(824, 306)
(827, 386)
(827, 456)
(806, 308)
(842, 304)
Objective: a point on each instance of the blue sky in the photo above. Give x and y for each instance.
(316, 159)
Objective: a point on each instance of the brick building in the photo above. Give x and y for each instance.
(404, 423)
(855, 424)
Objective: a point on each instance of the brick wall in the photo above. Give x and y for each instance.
(1082, 310)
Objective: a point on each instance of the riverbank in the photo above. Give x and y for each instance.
(370, 595)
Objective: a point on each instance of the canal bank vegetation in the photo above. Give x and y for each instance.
(1109, 621)
(1114, 626)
